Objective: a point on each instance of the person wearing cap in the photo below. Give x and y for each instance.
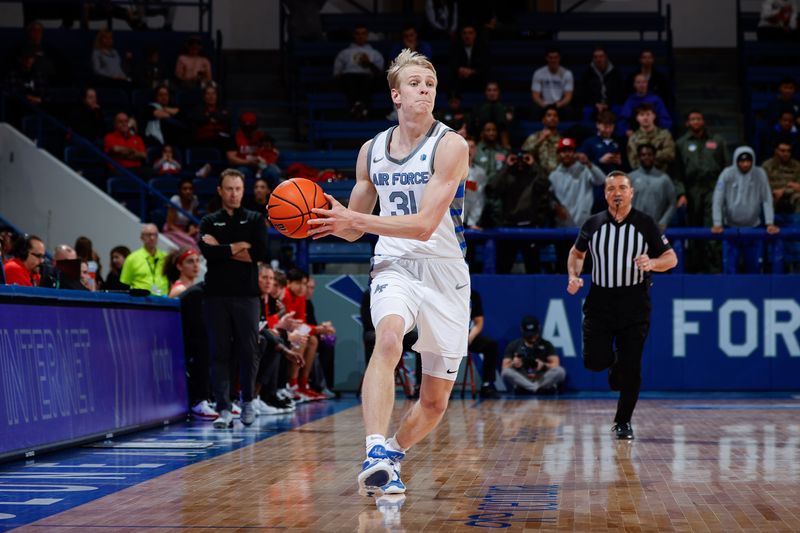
(254, 154)
(543, 144)
(530, 363)
(741, 198)
(572, 181)
(626, 246)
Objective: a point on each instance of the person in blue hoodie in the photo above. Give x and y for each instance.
(642, 96)
(742, 197)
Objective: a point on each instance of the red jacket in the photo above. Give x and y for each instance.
(17, 274)
(131, 141)
(298, 305)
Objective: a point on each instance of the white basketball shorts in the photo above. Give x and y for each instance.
(431, 294)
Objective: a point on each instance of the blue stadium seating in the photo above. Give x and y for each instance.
(128, 192)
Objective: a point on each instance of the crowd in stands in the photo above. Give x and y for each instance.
(675, 169)
(605, 115)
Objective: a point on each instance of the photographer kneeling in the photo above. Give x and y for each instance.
(530, 363)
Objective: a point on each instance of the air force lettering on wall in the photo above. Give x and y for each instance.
(706, 332)
(741, 327)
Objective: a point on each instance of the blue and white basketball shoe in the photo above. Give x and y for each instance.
(376, 472)
(395, 485)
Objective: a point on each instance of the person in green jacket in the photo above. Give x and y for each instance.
(144, 268)
(701, 157)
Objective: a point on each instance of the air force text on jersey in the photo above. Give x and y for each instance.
(400, 178)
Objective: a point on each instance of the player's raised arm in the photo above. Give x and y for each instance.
(451, 165)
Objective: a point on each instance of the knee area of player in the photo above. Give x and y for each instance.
(389, 344)
(434, 406)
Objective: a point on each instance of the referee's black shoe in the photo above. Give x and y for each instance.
(624, 430)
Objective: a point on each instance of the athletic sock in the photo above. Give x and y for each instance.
(392, 445)
(293, 382)
(375, 440)
(303, 383)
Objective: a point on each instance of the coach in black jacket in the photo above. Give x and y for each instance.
(233, 240)
(626, 245)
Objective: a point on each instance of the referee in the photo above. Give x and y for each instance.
(626, 245)
(233, 240)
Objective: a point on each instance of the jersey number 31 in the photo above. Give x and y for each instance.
(405, 202)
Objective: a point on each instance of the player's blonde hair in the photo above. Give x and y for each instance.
(406, 58)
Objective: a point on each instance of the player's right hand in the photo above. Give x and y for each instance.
(574, 285)
(331, 221)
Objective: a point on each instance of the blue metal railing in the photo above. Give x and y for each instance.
(677, 237)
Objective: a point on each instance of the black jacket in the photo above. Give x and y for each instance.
(227, 276)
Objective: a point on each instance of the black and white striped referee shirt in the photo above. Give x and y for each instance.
(614, 246)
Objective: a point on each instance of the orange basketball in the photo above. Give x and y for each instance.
(290, 206)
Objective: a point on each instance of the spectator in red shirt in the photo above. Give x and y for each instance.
(124, 146)
(27, 258)
(254, 154)
(294, 299)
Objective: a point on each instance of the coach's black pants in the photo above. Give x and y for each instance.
(615, 326)
(232, 329)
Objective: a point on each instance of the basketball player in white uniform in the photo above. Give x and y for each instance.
(419, 276)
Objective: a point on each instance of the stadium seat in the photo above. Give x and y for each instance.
(128, 192)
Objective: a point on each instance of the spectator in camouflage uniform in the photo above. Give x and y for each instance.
(649, 133)
(543, 145)
(701, 157)
(783, 173)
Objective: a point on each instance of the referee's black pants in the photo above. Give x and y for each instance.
(232, 331)
(615, 326)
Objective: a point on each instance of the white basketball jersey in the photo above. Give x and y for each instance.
(401, 187)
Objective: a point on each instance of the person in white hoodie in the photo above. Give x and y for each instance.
(742, 197)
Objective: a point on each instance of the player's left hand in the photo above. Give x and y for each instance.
(331, 221)
(644, 263)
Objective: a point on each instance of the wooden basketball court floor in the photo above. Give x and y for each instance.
(699, 464)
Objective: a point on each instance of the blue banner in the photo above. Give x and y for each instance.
(72, 369)
(706, 333)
